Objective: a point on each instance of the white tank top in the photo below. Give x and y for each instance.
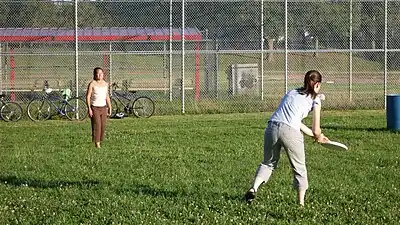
(294, 107)
(99, 95)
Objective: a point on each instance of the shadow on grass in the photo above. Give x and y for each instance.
(141, 189)
(371, 129)
(15, 181)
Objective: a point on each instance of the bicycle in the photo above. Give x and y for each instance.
(39, 109)
(9, 111)
(140, 106)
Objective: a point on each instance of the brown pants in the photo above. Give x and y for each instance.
(98, 123)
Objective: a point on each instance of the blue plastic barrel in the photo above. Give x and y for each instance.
(393, 112)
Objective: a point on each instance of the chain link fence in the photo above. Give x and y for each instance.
(236, 56)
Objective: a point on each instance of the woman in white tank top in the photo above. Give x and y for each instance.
(285, 129)
(98, 100)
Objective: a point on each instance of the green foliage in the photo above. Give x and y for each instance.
(274, 14)
(194, 169)
(4, 10)
(235, 20)
(91, 16)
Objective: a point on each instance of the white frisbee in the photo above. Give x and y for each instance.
(334, 145)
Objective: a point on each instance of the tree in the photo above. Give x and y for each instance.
(274, 20)
(328, 22)
(91, 15)
(4, 13)
(14, 18)
(136, 14)
(394, 34)
(38, 14)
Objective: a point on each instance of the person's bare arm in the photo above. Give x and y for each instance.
(316, 120)
(316, 125)
(306, 130)
(108, 100)
(88, 96)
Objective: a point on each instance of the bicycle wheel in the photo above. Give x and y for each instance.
(76, 109)
(39, 109)
(142, 107)
(11, 112)
(114, 107)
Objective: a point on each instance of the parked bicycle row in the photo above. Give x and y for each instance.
(51, 103)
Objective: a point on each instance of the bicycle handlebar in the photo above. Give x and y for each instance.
(114, 86)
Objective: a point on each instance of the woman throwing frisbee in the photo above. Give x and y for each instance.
(285, 130)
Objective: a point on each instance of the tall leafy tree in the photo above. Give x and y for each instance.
(4, 12)
(38, 14)
(394, 34)
(90, 15)
(274, 20)
(14, 17)
(372, 25)
(226, 20)
(137, 14)
(326, 21)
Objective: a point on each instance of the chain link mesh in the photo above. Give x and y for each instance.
(239, 56)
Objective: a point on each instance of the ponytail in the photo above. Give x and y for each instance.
(310, 79)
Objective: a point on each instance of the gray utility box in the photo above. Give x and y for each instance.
(244, 79)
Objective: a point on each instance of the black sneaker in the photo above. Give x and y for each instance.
(250, 195)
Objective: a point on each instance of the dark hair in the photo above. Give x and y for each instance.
(310, 79)
(95, 72)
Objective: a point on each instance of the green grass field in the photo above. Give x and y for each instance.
(194, 169)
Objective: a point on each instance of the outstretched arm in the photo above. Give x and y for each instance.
(316, 125)
(321, 138)
(306, 130)
(316, 120)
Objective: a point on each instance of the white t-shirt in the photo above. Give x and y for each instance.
(293, 108)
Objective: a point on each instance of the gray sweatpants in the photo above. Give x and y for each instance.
(278, 135)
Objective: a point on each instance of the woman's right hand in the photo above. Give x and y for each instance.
(322, 139)
(90, 112)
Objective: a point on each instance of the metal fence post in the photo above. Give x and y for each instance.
(76, 51)
(170, 50)
(183, 57)
(385, 54)
(286, 45)
(351, 52)
(262, 50)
